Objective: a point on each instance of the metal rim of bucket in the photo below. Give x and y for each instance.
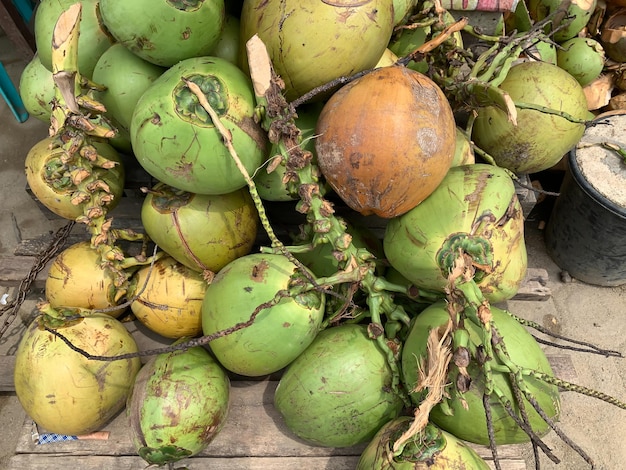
(592, 192)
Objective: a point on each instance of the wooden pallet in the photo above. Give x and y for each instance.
(254, 436)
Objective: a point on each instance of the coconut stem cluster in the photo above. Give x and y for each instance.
(356, 265)
(77, 121)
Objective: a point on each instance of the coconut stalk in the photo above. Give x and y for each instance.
(77, 118)
(471, 305)
(356, 265)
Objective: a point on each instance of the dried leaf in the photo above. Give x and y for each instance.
(274, 163)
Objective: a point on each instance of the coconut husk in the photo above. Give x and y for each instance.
(432, 376)
(617, 102)
(598, 92)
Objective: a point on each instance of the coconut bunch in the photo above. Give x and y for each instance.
(79, 176)
(72, 173)
(122, 77)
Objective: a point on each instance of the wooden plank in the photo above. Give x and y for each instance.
(7, 368)
(101, 462)
(16, 30)
(31, 247)
(15, 268)
(563, 367)
(534, 286)
(253, 437)
(128, 207)
(508, 464)
(253, 428)
(526, 196)
(253, 434)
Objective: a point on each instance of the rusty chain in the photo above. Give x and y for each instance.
(42, 259)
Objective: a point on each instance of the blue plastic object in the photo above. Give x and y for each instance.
(7, 88)
(11, 96)
(24, 8)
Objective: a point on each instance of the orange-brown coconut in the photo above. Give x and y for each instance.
(386, 140)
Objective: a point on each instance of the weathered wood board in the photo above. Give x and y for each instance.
(254, 437)
(7, 368)
(15, 268)
(105, 462)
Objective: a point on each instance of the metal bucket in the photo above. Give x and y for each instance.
(586, 232)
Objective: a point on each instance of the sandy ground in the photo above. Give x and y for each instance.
(595, 315)
(576, 310)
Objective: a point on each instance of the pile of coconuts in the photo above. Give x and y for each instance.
(393, 214)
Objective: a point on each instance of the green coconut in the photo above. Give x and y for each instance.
(37, 89)
(465, 418)
(165, 32)
(431, 449)
(179, 403)
(284, 325)
(583, 58)
(569, 18)
(271, 185)
(175, 139)
(474, 210)
(126, 76)
(228, 45)
(202, 232)
(402, 10)
(339, 391)
(312, 42)
(541, 135)
(63, 391)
